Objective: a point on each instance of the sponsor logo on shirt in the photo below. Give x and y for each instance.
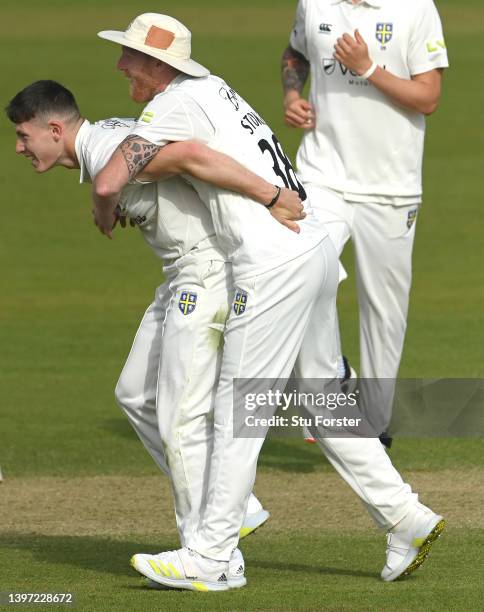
(329, 66)
(333, 67)
(384, 33)
(147, 117)
(240, 302)
(229, 94)
(325, 28)
(187, 303)
(112, 124)
(435, 45)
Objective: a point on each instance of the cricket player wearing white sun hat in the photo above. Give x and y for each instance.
(177, 347)
(283, 313)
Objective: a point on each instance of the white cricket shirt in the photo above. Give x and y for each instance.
(364, 145)
(170, 215)
(209, 110)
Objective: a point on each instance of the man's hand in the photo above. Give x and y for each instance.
(299, 113)
(105, 220)
(288, 209)
(353, 53)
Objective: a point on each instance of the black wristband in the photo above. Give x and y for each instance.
(275, 198)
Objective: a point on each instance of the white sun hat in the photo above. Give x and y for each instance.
(162, 37)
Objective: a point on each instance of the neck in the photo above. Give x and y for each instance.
(68, 159)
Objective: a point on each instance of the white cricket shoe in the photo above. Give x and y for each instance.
(409, 542)
(235, 577)
(255, 517)
(183, 569)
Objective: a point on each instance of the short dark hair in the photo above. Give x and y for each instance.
(42, 99)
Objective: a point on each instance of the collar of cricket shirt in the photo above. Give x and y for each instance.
(177, 80)
(79, 146)
(372, 3)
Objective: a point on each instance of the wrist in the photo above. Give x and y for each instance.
(291, 96)
(369, 71)
(275, 197)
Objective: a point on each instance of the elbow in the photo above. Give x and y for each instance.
(430, 107)
(430, 104)
(104, 189)
(194, 152)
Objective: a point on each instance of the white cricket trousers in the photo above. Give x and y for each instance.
(289, 311)
(383, 237)
(167, 386)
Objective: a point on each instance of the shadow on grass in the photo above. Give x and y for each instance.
(102, 555)
(312, 569)
(107, 556)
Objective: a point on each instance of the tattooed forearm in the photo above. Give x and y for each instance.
(295, 70)
(137, 153)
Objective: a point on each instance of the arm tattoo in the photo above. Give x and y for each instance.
(295, 70)
(137, 153)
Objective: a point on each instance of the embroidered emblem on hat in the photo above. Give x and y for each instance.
(187, 303)
(384, 32)
(412, 215)
(240, 302)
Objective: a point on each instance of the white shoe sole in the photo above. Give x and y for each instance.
(234, 583)
(414, 560)
(253, 522)
(144, 568)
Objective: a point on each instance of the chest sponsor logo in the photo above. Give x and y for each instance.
(333, 67)
(329, 66)
(240, 302)
(384, 32)
(412, 215)
(188, 302)
(229, 94)
(325, 28)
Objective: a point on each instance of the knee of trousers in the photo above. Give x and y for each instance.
(129, 399)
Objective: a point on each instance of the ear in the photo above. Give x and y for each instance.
(57, 129)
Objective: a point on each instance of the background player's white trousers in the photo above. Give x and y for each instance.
(288, 311)
(167, 386)
(383, 237)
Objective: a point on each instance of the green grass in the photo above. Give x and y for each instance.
(71, 301)
(310, 572)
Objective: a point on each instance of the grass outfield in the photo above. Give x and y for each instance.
(80, 495)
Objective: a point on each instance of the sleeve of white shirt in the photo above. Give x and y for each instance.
(95, 157)
(173, 117)
(297, 39)
(426, 50)
(99, 144)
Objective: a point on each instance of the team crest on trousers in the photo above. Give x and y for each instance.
(187, 303)
(412, 215)
(384, 32)
(240, 302)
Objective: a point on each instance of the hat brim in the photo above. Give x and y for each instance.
(187, 66)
